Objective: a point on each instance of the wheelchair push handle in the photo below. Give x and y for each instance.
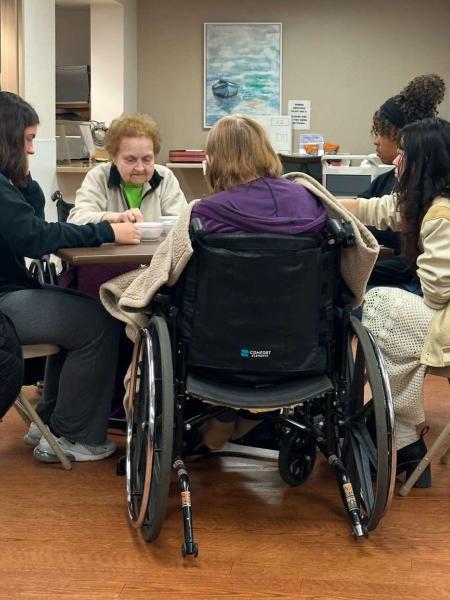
(341, 231)
(196, 227)
(56, 196)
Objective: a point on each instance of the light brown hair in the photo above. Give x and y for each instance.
(131, 125)
(239, 151)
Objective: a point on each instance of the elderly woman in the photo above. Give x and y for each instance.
(130, 187)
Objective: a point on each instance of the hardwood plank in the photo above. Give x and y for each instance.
(66, 534)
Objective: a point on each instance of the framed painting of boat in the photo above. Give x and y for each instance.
(242, 70)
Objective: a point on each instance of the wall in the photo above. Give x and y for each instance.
(113, 59)
(11, 64)
(39, 89)
(73, 35)
(346, 57)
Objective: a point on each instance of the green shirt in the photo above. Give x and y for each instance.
(132, 193)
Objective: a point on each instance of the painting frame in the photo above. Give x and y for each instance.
(241, 85)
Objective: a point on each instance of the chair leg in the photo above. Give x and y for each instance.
(23, 406)
(18, 405)
(426, 460)
(445, 458)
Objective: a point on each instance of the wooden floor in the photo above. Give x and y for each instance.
(66, 535)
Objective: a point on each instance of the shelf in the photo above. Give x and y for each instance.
(182, 165)
(83, 109)
(76, 167)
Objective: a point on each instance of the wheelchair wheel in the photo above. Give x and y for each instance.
(367, 445)
(37, 271)
(297, 457)
(150, 421)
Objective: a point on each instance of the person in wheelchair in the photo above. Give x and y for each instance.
(246, 305)
(79, 379)
(413, 332)
(249, 195)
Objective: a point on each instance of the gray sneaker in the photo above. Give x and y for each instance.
(75, 451)
(33, 435)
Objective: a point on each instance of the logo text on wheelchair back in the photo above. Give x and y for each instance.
(246, 353)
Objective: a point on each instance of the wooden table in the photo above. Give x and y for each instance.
(139, 254)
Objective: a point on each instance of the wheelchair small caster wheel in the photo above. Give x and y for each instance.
(296, 457)
(185, 552)
(121, 466)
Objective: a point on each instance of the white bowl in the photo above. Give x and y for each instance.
(168, 226)
(150, 230)
(169, 218)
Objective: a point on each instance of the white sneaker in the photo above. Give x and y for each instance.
(33, 435)
(75, 451)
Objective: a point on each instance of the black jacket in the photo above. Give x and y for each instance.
(25, 233)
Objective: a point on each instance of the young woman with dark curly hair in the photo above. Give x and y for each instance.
(418, 100)
(413, 332)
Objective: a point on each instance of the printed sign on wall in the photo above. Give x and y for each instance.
(300, 112)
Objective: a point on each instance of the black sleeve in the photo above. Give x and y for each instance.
(380, 186)
(34, 196)
(29, 235)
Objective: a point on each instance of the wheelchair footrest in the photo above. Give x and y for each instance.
(274, 396)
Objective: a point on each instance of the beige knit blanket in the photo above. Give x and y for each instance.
(128, 296)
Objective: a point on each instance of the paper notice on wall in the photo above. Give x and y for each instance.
(300, 112)
(279, 130)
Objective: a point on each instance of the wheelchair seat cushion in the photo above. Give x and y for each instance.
(265, 397)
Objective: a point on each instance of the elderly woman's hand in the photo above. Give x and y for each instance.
(132, 215)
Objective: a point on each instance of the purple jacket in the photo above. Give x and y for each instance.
(271, 205)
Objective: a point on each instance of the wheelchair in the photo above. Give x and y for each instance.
(260, 321)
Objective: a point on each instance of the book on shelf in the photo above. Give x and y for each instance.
(186, 155)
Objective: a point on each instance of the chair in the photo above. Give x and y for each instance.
(442, 438)
(26, 409)
(260, 322)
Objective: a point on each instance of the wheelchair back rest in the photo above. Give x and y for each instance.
(259, 303)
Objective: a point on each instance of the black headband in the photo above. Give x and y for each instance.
(393, 114)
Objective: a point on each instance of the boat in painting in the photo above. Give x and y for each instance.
(224, 88)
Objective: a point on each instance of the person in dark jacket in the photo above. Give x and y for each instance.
(79, 379)
(417, 101)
